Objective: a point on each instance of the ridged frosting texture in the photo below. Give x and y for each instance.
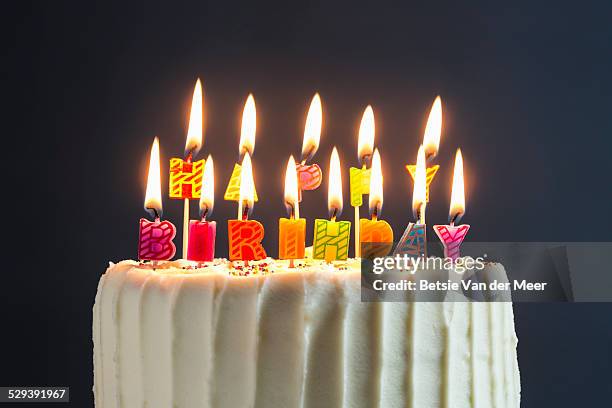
(177, 338)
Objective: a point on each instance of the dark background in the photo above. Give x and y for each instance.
(525, 88)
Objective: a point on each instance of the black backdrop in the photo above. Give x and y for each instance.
(525, 89)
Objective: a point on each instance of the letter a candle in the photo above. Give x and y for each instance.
(245, 235)
(310, 175)
(247, 145)
(332, 238)
(414, 240)
(452, 235)
(375, 231)
(155, 237)
(292, 230)
(186, 175)
(431, 143)
(202, 233)
(360, 177)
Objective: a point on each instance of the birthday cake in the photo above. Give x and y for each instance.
(278, 337)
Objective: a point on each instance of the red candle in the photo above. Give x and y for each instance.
(245, 235)
(201, 246)
(310, 175)
(155, 237)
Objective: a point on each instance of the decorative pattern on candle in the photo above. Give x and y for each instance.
(331, 240)
(372, 233)
(201, 246)
(232, 193)
(291, 238)
(155, 240)
(413, 242)
(310, 177)
(451, 238)
(360, 185)
(185, 178)
(429, 176)
(245, 240)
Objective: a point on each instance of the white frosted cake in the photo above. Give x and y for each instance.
(182, 337)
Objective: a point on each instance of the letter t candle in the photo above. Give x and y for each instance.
(292, 230)
(451, 235)
(155, 237)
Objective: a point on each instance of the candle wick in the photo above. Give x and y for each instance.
(334, 214)
(245, 212)
(189, 157)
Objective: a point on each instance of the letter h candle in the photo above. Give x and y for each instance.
(331, 238)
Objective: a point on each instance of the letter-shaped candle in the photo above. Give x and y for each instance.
(453, 235)
(332, 238)
(292, 230)
(375, 231)
(155, 237)
(310, 175)
(202, 233)
(414, 240)
(359, 178)
(431, 144)
(247, 145)
(245, 235)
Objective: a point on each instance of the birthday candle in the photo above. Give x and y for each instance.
(331, 238)
(431, 144)
(310, 175)
(375, 232)
(245, 235)
(292, 230)
(453, 235)
(202, 233)
(246, 145)
(414, 240)
(360, 177)
(155, 237)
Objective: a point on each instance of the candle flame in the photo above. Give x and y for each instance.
(291, 186)
(249, 126)
(419, 192)
(207, 197)
(376, 185)
(457, 206)
(194, 132)
(365, 144)
(334, 193)
(433, 129)
(312, 129)
(153, 200)
(247, 185)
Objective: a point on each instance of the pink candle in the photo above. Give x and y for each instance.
(201, 244)
(451, 235)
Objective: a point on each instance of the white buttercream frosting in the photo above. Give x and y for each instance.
(183, 336)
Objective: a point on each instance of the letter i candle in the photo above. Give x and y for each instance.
(245, 235)
(292, 230)
(453, 235)
(310, 175)
(360, 177)
(155, 237)
(375, 231)
(332, 238)
(186, 175)
(414, 240)
(202, 233)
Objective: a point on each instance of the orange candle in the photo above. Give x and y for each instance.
(292, 230)
(245, 235)
(375, 232)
